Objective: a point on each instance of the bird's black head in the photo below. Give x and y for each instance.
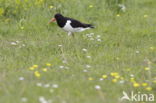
(58, 16)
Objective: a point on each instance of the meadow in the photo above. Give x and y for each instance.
(40, 63)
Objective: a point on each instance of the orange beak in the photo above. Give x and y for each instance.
(52, 20)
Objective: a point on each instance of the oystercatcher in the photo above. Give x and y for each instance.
(70, 25)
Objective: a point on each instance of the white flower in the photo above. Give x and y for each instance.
(97, 87)
(21, 78)
(132, 75)
(85, 70)
(47, 85)
(98, 36)
(98, 39)
(137, 52)
(88, 56)
(61, 67)
(42, 100)
(60, 45)
(121, 81)
(13, 43)
(64, 61)
(23, 45)
(55, 85)
(122, 7)
(88, 66)
(85, 50)
(24, 99)
(17, 41)
(39, 84)
(101, 79)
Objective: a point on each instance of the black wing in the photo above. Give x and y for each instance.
(76, 23)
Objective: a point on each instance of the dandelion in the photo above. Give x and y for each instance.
(90, 78)
(21, 78)
(51, 6)
(97, 87)
(37, 74)
(104, 76)
(145, 16)
(35, 66)
(48, 64)
(144, 84)
(114, 80)
(136, 85)
(44, 69)
(90, 6)
(31, 68)
(114, 74)
(148, 88)
(21, 27)
(147, 68)
(152, 48)
(118, 15)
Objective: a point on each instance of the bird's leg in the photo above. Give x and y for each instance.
(69, 33)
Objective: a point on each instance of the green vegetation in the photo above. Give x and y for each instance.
(40, 62)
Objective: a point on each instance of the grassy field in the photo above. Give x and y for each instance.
(40, 63)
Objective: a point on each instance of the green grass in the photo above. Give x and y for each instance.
(128, 43)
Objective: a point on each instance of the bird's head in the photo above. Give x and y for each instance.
(56, 17)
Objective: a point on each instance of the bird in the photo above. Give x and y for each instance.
(70, 25)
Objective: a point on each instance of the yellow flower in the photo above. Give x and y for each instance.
(118, 15)
(147, 68)
(114, 80)
(90, 78)
(45, 69)
(136, 85)
(48, 64)
(114, 74)
(145, 16)
(104, 76)
(148, 88)
(31, 68)
(1, 11)
(152, 48)
(37, 74)
(90, 6)
(144, 84)
(35, 66)
(117, 76)
(51, 6)
(21, 27)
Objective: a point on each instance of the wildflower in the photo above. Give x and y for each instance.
(152, 48)
(90, 6)
(55, 85)
(132, 80)
(51, 90)
(48, 64)
(85, 70)
(145, 16)
(117, 76)
(35, 66)
(132, 75)
(88, 57)
(39, 84)
(98, 39)
(114, 80)
(13, 43)
(104, 76)
(90, 78)
(137, 52)
(85, 50)
(44, 69)
(61, 67)
(136, 85)
(121, 81)
(147, 68)
(60, 45)
(24, 99)
(47, 85)
(97, 87)
(101, 79)
(122, 7)
(21, 78)
(21, 27)
(114, 74)
(37, 74)
(51, 6)
(118, 15)
(148, 88)
(144, 84)
(31, 68)
(88, 66)
(98, 36)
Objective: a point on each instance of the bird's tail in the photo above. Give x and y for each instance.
(90, 26)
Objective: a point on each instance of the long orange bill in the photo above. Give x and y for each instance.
(52, 20)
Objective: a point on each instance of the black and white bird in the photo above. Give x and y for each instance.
(70, 25)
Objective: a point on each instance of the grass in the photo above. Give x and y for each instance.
(127, 47)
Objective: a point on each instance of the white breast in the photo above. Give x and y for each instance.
(69, 28)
